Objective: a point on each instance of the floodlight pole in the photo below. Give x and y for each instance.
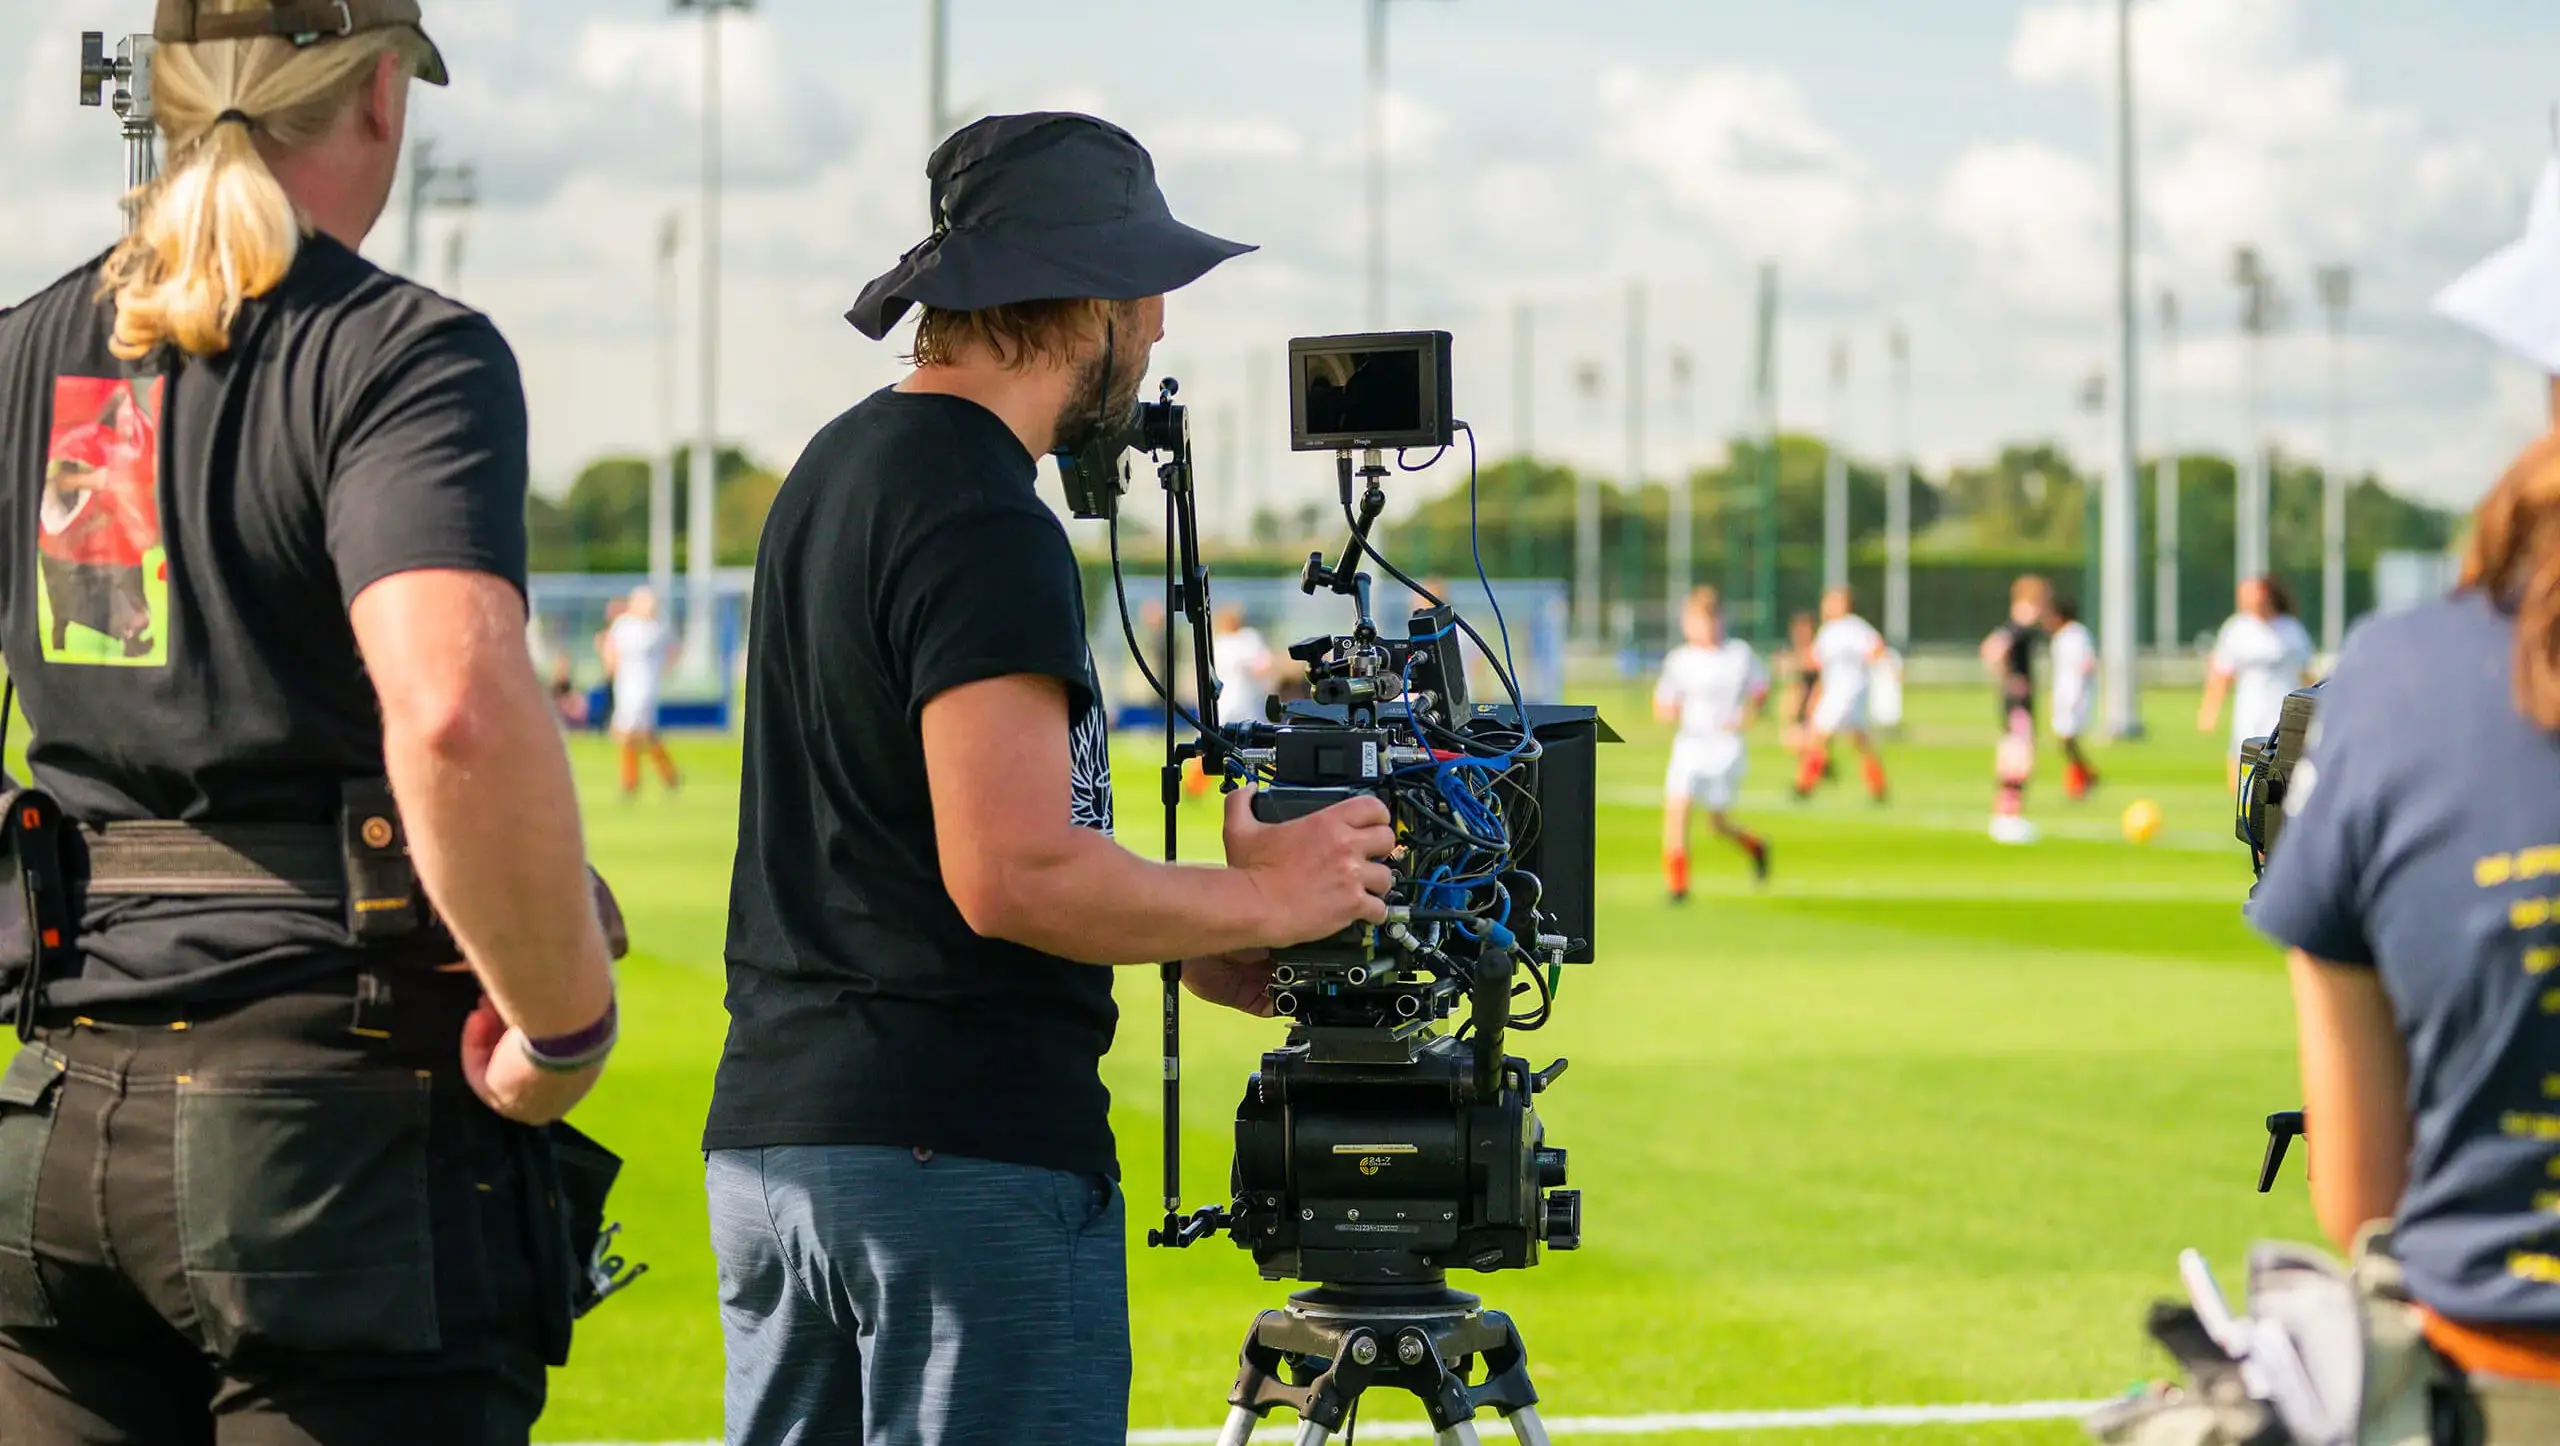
(1897, 500)
(1835, 475)
(1377, 164)
(1524, 380)
(2337, 293)
(432, 186)
(937, 73)
(1764, 560)
(662, 467)
(1586, 530)
(2119, 615)
(2257, 318)
(1680, 549)
(2164, 518)
(701, 556)
(1633, 548)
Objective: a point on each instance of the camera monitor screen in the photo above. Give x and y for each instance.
(1386, 389)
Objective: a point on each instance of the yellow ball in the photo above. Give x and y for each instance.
(2141, 821)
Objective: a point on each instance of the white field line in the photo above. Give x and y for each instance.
(1661, 1424)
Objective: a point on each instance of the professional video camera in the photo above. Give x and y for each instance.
(2266, 779)
(1377, 1148)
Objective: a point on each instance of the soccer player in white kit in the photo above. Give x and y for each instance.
(2261, 654)
(1713, 686)
(2075, 688)
(635, 651)
(1845, 649)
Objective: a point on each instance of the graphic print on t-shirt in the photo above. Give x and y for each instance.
(1089, 764)
(105, 592)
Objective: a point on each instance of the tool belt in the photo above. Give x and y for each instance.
(360, 865)
(2328, 1355)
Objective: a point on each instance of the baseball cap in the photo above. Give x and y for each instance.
(304, 22)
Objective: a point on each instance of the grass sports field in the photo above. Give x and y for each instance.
(1924, 1122)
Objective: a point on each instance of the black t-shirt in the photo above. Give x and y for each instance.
(906, 555)
(180, 543)
(2018, 664)
(2424, 842)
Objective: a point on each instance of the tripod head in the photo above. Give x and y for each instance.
(123, 82)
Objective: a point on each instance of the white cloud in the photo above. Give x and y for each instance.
(2036, 222)
(1743, 151)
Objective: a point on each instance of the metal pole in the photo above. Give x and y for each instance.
(125, 84)
(1897, 501)
(1586, 529)
(1377, 177)
(422, 167)
(1630, 588)
(2337, 293)
(2164, 522)
(1765, 377)
(937, 73)
(1680, 557)
(1835, 475)
(2119, 618)
(2257, 317)
(1524, 381)
(701, 553)
(662, 467)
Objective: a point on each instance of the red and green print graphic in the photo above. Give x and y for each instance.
(98, 544)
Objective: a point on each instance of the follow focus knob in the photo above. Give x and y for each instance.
(1564, 1220)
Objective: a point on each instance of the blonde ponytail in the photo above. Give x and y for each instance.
(217, 228)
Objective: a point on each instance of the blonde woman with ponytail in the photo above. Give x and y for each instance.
(265, 1165)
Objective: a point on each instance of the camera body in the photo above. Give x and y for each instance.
(1374, 1146)
(2266, 775)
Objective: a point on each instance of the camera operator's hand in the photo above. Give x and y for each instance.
(1317, 875)
(1240, 981)
(495, 1065)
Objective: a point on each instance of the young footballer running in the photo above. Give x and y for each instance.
(1713, 686)
(2010, 655)
(2075, 687)
(1845, 650)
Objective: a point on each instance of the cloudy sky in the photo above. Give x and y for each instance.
(1941, 166)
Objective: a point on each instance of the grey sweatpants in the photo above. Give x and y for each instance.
(888, 1297)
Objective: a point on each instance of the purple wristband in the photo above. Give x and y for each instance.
(582, 1050)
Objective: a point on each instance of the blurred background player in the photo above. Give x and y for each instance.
(1800, 670)
(1712, 687)
(2010, 653)
(2074, 656)
(2261, 654)
(634, 649)
(1845, 651)
(1245, 666)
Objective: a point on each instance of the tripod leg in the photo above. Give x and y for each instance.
(1240, 1424)
(1462, 1434)
(1528, 1429)
(1311, 1434)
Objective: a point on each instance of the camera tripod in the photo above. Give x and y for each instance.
(1334, 1342)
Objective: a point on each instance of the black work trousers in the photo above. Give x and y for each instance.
(285, 1222)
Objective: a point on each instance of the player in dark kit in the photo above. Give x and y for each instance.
(2009, 652)
(270, 1160)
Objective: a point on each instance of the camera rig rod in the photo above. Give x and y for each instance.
(1346, 578)
(1164, 427)
(129, 72)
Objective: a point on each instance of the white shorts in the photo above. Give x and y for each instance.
(1843, 712)
(635, 710)
(2071, 716)
(1706, 771)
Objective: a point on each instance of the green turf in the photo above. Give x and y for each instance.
(1925, 1121)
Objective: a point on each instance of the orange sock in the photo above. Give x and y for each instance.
(1875, 776)
(1809, 769)
(1675, 872)
(631, 768)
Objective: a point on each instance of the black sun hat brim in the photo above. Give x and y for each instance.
(971, 271)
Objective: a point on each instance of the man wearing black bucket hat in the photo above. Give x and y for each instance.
(911, 1168)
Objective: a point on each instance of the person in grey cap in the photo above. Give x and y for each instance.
(268, 1164)
(911, 1169)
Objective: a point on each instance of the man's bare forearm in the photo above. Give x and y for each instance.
(483, 782)
(1095, 901)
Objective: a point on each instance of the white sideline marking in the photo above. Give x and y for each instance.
(1563, 1427)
